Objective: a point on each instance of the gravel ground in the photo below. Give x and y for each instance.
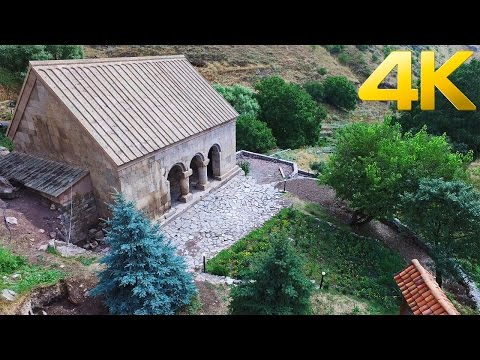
(265, 172)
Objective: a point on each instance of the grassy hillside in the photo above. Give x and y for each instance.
(245, 64)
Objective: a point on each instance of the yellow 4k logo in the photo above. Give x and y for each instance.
(429, 80)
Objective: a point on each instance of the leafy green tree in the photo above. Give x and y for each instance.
(16, 57)
(240, 97)
(315, 90)
(374, 164)
(253, 134)
(462, 127)
(291, 113)
(143, 275)
(446, 214)
(340, 92)
(276, 285)
(61, 52)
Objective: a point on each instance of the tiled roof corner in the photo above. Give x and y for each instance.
(422, 293)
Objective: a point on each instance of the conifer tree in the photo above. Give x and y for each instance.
(143, 275)
(276, 284)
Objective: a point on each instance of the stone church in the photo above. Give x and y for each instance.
(150, 127)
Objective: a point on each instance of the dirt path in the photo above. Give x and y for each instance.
(309, 190)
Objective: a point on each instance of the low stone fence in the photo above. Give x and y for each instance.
(252, 155)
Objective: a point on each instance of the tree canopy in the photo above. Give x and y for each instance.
(446, 214)
(143, 275)
(240, 97)
(462, 127)
(276, 284)
(291, 113)
(340, 92)
(374, 164)
(16, 57)
(253, 134)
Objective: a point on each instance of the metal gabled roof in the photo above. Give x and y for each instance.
(135, 106)
(46, 176)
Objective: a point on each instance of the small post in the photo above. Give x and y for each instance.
(283, 177)
(321, 280)
(204, 262)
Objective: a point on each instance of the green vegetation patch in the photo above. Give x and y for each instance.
(18, 275)
(9, 79)
(86, 260)
(359, 267)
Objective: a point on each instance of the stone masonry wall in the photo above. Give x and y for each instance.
(145, 181)
(49, 130)
(84, 216)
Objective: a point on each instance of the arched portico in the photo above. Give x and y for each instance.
(199, 178)
(178, 179)
(213, 167)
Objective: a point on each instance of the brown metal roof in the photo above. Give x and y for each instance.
(47, 176)
(134, 106)
(422, 293)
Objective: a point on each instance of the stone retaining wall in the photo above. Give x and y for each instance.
(84, 217)
(253, 155)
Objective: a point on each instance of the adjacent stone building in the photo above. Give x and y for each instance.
(151, 127)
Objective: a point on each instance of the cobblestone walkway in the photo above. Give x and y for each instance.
(223, 217)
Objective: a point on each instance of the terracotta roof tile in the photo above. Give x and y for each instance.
(422, 293)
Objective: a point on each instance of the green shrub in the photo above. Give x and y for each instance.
(10, 262)
(291, 113)
(240, 97)
(321, 70)
(253, 134)
(335, 49)
(279, 285)
(387, 49)
(86, 260)
(16, 57)
(344, 59)
(315, 90)
(318, 166)
(340, 92)
(245, 166)
(374, 57)
(5, 141)
(362, 47)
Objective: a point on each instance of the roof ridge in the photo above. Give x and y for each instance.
(434, 288)
(103, 60)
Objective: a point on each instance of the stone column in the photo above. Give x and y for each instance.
(185, 186)
(202, 175)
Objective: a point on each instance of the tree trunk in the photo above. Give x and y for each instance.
(359, 218)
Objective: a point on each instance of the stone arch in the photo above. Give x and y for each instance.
(198, 166)
(174, 178)
(213, 168)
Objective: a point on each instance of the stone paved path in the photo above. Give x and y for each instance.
(221, 218)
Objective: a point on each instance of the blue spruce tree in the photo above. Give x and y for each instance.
(143, 275)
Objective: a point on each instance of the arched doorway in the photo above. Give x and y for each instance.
(195, 164)
(213, 168)
(174, 178)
